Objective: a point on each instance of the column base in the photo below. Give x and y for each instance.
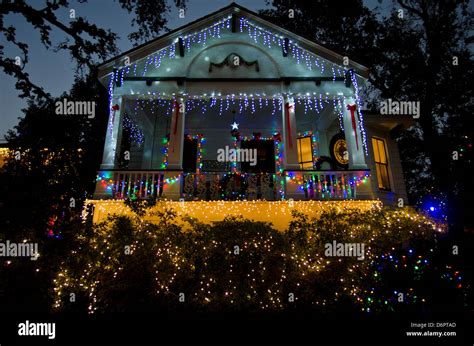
(107, 166)
(172, 191)
(101, 191)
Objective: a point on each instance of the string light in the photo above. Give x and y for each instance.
(276, 264)
(136, 133)
(166, 144)
(314, 143)
(277, 212)
(359, 111)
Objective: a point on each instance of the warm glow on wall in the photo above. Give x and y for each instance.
(276, 212)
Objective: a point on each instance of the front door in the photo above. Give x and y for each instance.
(265, 156)
(189, 155)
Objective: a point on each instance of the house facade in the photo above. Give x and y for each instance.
(233, 107)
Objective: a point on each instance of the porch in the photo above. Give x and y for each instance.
(228, 186)
(294, 107)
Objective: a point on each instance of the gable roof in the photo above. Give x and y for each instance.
(151, 46)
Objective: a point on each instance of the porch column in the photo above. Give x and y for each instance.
(289, 134)
(112, 136)
(354, 143)
(175, 149)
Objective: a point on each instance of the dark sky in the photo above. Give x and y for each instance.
(54, 71)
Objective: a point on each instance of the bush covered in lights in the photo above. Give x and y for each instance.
(126, 264)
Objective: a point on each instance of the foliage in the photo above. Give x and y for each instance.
(422, 56)
(85, 42)
(54, 159)
(238, 264)
(150, 17)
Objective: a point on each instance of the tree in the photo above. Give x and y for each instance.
(422, 55)
(54, 158)
(85, 42)
(150, 17)
(58, 154)
(425, 57)
(348, 30)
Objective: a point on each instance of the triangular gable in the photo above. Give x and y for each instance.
(261, 31)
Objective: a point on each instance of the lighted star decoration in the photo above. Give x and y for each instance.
(234, 126)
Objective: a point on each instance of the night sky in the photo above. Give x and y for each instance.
(55, 70)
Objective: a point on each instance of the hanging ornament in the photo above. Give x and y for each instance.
(257, 135)
(352, 109)
(115, 108)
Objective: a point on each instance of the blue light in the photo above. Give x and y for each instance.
(432, 208)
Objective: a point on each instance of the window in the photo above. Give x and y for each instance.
(381, 163)
(305, 153)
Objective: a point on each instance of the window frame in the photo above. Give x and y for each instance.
(300, 155)
(379, 165)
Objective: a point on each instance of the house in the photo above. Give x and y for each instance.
(188, 109)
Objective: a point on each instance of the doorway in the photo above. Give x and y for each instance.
(189, 155)
(265, 156)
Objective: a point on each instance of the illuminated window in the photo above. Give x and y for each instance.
(381, 163)
(305, 153)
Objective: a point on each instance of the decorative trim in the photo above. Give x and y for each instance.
(228, 62)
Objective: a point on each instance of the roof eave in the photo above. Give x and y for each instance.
(149, 47)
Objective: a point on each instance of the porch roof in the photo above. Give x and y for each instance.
(142, 51)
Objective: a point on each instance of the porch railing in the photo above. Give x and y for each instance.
(137, 184)
(333, 185)
(309, 185)
(225, 186)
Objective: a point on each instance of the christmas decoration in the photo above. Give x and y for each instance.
(136, 134)
(399, 247)
(352, 109)
(166, 142)
(236, 134)
(262, 36)
(200, 142)
(114, 109)
(314, 144)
